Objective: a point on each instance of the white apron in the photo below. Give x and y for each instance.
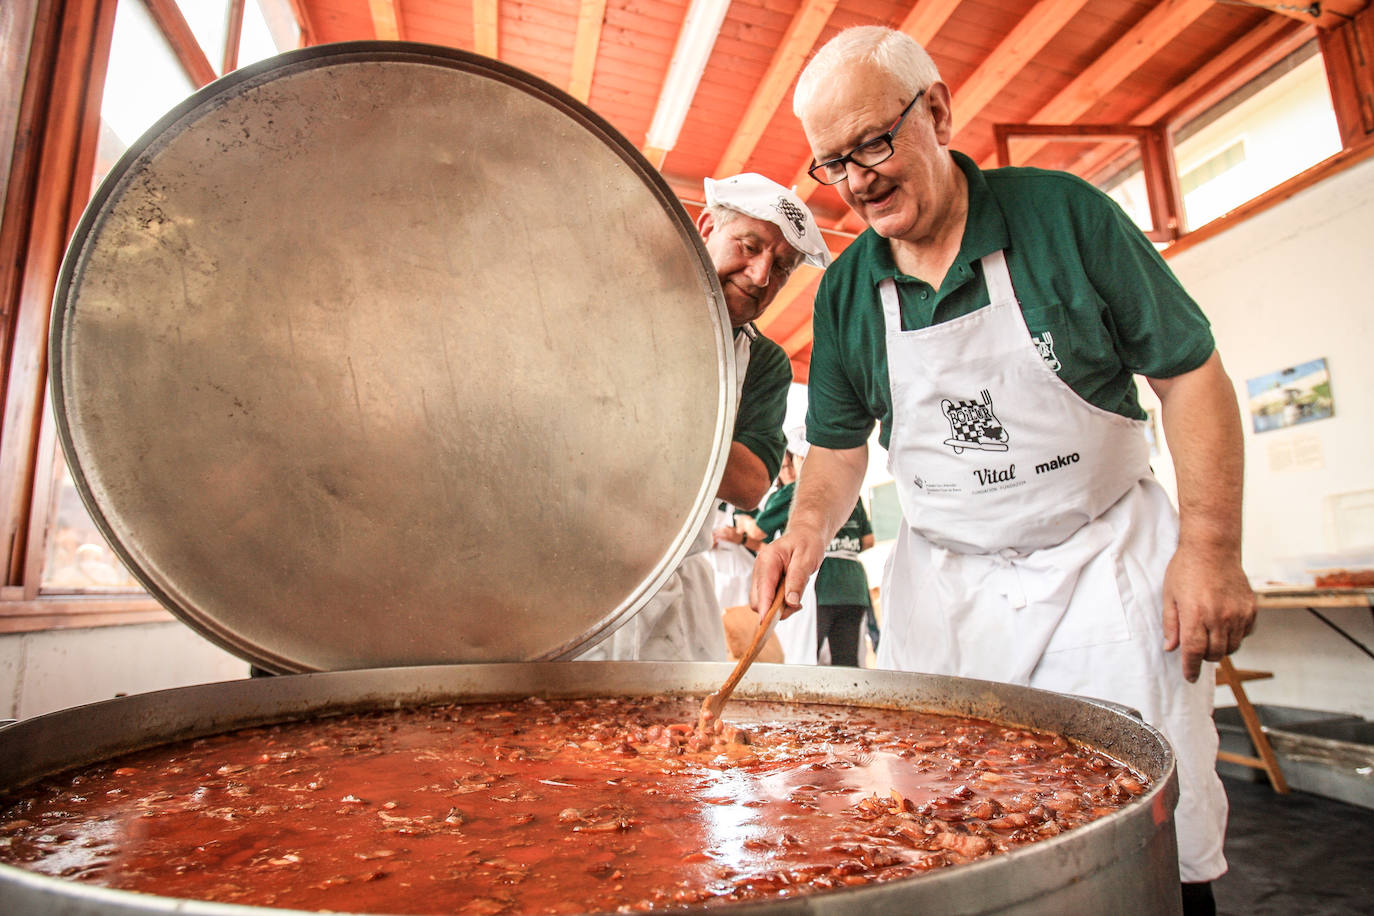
(682, 621)
(798, 632)
(732, 563)
(1035, 540)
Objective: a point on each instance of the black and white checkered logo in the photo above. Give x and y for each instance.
(793, 214)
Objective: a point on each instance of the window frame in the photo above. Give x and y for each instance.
(1350, 77)
(52, 112)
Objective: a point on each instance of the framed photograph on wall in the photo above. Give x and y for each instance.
(1287, 397)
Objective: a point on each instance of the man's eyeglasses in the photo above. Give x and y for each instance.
(866, 154)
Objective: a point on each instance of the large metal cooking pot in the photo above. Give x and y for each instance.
(1123, 863)
(382, 354)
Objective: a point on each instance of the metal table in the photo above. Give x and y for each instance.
(1284, 597)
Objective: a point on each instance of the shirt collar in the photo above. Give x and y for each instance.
(985, 228)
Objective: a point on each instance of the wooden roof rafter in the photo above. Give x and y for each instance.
(1000, 67)
(386, 19)
(1154, 30)
(486, 16)
(591, 18)
(926, 19)
(168, 18)
(787, 62)
(1260, 48)
(802, 279)
(231, 44)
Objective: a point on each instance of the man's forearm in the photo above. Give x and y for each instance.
(1202, 425)
(745, 480)
(827, 490)
(1208, 605)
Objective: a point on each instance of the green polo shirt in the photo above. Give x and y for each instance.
(763, 403)
(838, 581)
(841, 581)
(1097, 297)
(773, 517)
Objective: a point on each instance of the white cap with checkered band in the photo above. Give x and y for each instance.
(762, 198)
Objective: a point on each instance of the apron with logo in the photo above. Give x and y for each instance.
(682, 621)
(1035, 540)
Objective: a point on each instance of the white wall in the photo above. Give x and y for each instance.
(1292, 284)
(43, 672)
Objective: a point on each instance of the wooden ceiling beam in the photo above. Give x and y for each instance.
(655, 155)
(803, 278)
(926, 19)
(1273, 39)
(298, 9)
(1328, 14)
(386, 19)
(235, 34)
(183, 41)
(1348, 55)
(1154, 30)
(1044, 20)
(486, 15)
(591, 17)
(800, 339)
(787, 62)
(803, 184)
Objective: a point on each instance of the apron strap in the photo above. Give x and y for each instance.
(997, 277)
(892, 306)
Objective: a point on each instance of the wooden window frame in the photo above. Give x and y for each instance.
(1154, 145)
(1347, 53)
(57, 53)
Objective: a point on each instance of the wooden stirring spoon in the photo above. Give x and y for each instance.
(712, 705)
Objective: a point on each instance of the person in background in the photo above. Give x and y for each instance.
(841, 585)
(796, 633)
(731, 562)
(993, 322)
(756, 233)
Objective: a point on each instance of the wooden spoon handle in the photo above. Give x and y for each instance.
(713, 704)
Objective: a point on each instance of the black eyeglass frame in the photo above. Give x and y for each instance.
(817, 169)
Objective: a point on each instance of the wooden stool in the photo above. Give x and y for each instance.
(1232, 677)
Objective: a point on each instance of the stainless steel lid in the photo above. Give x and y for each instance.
(384, 354)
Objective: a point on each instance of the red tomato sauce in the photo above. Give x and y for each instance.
(577, 806)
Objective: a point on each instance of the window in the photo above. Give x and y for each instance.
(1258, 137)
(144, 79)
(268, 29)
(1127, 188)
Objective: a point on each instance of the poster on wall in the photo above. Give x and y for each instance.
(1287, 397)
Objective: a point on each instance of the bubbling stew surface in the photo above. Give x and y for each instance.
(559, 806)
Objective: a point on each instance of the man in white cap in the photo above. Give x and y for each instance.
(757, 233)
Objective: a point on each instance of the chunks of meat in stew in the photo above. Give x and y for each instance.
(569, 806)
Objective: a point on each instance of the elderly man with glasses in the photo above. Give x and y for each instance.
(993, 323)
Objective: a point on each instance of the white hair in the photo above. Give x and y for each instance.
(895, 53)
(721, 214)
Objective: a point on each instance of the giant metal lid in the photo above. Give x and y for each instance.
(381, 353)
